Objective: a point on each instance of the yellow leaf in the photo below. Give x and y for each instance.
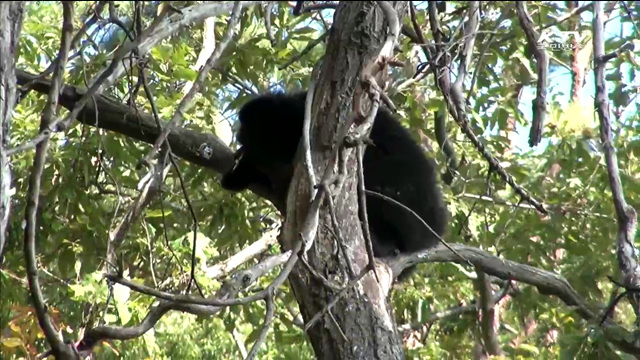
(11, 342)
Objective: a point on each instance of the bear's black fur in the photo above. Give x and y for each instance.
(270, 130)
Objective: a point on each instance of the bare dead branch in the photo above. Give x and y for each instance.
(310, 226)
(626, 214)
(542, 65)
(33, 194)
(230, 264)
(306, 131)
(571, 14)
(394, 28)
(208, 46)
(263, 267)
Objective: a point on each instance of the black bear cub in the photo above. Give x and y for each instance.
(269, 133)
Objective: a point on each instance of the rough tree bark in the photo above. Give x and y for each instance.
(11, 13)
(361, 324)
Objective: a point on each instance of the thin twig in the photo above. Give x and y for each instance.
(551, 208)
(384, 197)
(35, 180)
(156, 118)
(317, 275)
(268, 318)
(304, 51)
(362, 202)
(74, 42)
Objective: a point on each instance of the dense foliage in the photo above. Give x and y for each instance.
(91, 176)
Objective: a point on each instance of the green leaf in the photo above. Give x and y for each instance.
(185, 73)
(157, 213)
(11, 342)
(529, 349)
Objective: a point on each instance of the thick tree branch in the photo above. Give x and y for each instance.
(626, 215)
(363, 311)
(202, 149)
(542, 65)
(11, 15)
(60, 349)
(162, 27)
(547, 283)
(228, 265)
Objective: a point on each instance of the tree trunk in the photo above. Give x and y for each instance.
(361, 324)
(10, 25)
